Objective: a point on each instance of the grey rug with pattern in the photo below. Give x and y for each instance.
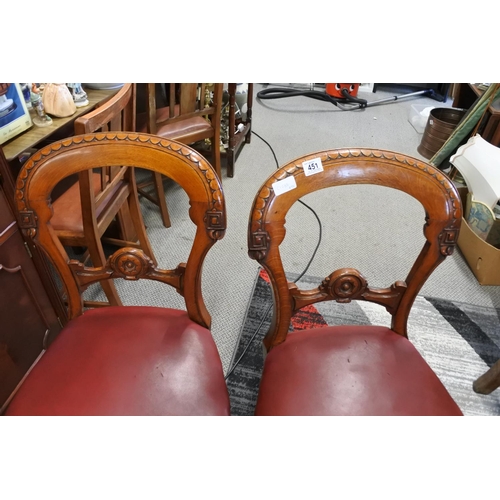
(459, 341)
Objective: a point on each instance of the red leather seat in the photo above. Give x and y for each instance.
(350, 370)
(127, 361)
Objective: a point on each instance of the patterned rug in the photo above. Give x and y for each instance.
(459, 341)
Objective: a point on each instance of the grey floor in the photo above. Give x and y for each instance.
(376, 230)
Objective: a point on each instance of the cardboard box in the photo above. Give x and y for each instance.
(482, 258)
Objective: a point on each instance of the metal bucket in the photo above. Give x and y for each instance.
(440, 125)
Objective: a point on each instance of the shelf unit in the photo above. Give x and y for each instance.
(238, 139)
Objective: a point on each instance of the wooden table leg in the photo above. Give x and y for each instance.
(248, 136)
(495, 138)
(232, 126)
(489, 381)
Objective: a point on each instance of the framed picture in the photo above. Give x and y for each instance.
(14, 115)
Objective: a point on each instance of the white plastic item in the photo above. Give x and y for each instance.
(418, 116)
(479, 163)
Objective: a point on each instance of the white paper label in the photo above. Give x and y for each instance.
(312, 167)
(284, 185)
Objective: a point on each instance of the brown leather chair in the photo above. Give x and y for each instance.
(187, 116)
(84, 212)
(351, 370)
(129, 360)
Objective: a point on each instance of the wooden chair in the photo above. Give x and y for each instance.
(186, 117)
(129, 360)
(351, 370)
(86, 210)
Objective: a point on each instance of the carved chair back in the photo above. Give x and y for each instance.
(266, 231)
(188, 114)
(184, 101)
(116, 114)
(85, 152)
(105, 194)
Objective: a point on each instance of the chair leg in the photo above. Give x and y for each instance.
(157, 198)
(230, 162)
(96, 253)
(127, 229)
(160, 196)
(136, 215)
(216, 154)
(489, 381)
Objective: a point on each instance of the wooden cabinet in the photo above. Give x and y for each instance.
(28, 321)
(32, 309)
(237, 139)
(465, 96)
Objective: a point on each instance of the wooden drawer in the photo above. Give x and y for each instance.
(27, 318)
(6, 216)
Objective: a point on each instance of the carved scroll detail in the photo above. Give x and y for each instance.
(447, 240)
(215, 223)
(258, 244)
(345, 285)
(27, 219)
(130, 264)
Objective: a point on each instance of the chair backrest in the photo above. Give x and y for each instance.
(84, 152)
(266, 231)
(116, 114)
(184, 101)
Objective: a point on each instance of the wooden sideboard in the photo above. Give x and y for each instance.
(28, 319)
(237, 140)
(32, 311)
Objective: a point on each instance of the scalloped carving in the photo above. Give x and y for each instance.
(264, 195)
(183, 151)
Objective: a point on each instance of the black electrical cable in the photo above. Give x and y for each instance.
(280, 93)
(264, 317)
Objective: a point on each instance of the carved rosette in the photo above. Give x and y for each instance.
(344, 285)
(130, 264)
